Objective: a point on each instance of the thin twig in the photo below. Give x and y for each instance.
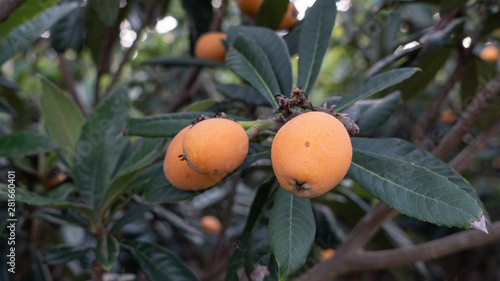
(480, 103)
(104, 61)
(126, 57)
(69, 82)
(462, 160)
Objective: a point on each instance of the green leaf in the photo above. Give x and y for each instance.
(200, 106)
(315, 34)
(260, 204)
(107, 10)
(376, 84)
(162, 125)
(67, 33)
(271, 13)
(62, 117)
(248, 60)
(292, 39)
(182, 62)
(107, 251)
(414, 182)
(160, 190)
(376, 112)
(130, 216)
(34, 199)
(291, 232)
(99, 147)
(63, 253)
(22, 144)
(243, 93)
(149, 150)
(24, 35)
(274, 48)
(24, 13)
(159, 263)
(118, 187)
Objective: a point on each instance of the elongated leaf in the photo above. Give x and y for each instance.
(24, 35)
(34, 199)
(257, 210)
(150, 149)
(99, 147)
(271, 13)
(292, 39)
(62, 117)
(107, 10)
(67, 33)
(413, 182)
(376, 84)
(249, 61)
(274, 48)
(186, 62)
(315, 34)
(24, 13)
(243, 93)
(162, 125)
(22, 144)
(160, 190)
(64, 253)
(377, 111)
(159, 263)
(291, 231)
(118, 187)
(107, 251)
(131, 216)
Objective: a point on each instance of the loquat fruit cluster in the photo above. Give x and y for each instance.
(310, 153)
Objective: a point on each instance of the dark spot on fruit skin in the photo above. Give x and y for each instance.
(307, 144)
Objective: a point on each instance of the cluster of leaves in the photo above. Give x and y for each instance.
(112, 157)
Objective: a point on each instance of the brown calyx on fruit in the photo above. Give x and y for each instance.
(300, 186)
(299, 99)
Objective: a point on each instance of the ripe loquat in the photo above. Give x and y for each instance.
(490, 54)
(215, 146)
(177, 171)
(209, 46)
(311, 154)
(211, 224)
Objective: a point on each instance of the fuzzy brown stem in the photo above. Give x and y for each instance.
(476, 108)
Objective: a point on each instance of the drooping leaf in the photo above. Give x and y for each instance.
(243, 93)
(24, 13)
(149, 150)
(62, 117)
(256, 212)
(271, 13)
(160, 190)
(159, 263)
(274, 48)
(65, 253)
(162, 125)
(413, 182)
(107, 10)
(17, 145)
(249, 61)
(376, 84)
(376, 111)
(291, 231)
(34, 199)
(183, 62)
(99, 147)
(292, 39)
(315, 34)
(21, 37)
(67, 33)
(131, 216)
(107, 251)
